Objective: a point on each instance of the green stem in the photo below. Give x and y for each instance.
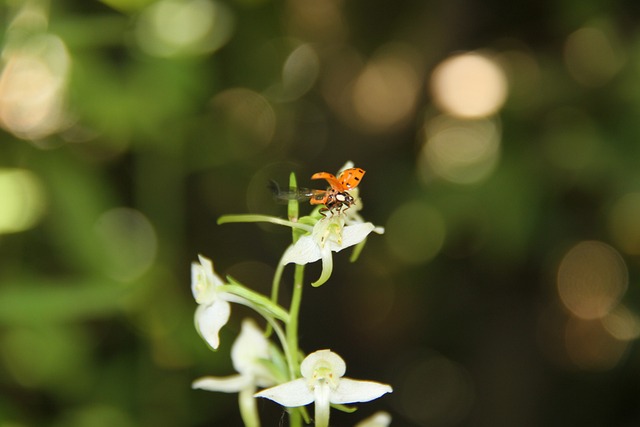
(263, 218)
(248, 408)
(275, 326)
(295, 417)
(275, 290)
(275, 285)
(294, 311)
(259, 300)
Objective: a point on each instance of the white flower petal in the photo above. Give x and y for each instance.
(209, 319)
(327, 267)
(291, 394)
(249, 408)
(204, 281)
(352, 391)
(249, 347)
(198, 282)
(352, 235)
(230, 384)
(304, 251)
(322, 393)
(206, 263)
(324, 358)
(309, 248)
(348, 165)
(379, 419)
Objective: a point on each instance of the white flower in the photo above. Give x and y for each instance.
(213, 305)
(247, 353)
(379, 419)
(329, 234)
(324, 384)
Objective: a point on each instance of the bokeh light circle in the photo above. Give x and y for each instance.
(415, 232)
(300, 72)
(469, 85)
(590, 346)
(170, 28)
(460, 151)
(385, 93)
(622, 323)
(22, 200)
(33, 87)
(435, 391)
(129, 242)
(592, 57)
(245, 118)
(624, 225)
(592, 278)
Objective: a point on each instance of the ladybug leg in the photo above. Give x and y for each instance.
(327, 208)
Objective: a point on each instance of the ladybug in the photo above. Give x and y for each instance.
(337, 195)
(335, 198)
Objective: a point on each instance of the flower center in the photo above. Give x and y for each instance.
(329, 229)
(323, 375)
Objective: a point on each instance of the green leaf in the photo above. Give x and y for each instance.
(344, 408)
(261, 301)
(293, 207)
(225, 219)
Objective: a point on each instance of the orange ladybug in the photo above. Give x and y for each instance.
(337, 195)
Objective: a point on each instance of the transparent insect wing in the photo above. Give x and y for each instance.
(350, 178)
(291, 194)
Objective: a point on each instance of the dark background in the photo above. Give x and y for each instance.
(503, 293)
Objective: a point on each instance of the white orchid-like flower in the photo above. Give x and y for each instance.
(248, 352)
(324, 383)
(213, 305)
(379, 419)
(337, 231)
(329, 235)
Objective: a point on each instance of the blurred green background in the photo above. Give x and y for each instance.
(501, 142)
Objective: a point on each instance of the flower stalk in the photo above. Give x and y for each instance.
(283, 373)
